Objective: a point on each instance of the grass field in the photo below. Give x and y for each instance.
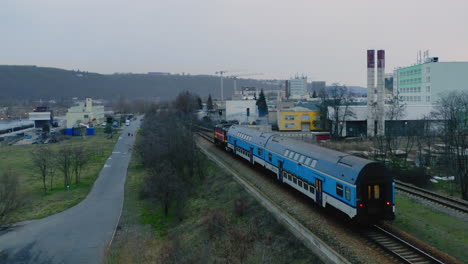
(37, 204)
(446, 233)
(146, 236)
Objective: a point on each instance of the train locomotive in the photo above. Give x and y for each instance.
(361, 189)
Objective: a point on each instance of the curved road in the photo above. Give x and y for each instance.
(79, 234)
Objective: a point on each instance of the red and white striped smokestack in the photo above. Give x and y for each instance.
(370, 59)
(381, 59)
(370, 92)
(380, 116)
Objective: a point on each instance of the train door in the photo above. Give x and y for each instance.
(374, 197)
(251, 155)
(280, 171)
(318, 191)
(235, 147)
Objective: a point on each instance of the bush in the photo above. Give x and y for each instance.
(10, 197)
(414, 175)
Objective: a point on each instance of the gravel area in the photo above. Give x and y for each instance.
(322, 223)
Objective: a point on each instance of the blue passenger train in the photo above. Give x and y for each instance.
(360, 188)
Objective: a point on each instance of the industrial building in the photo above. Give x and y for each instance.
(41, 116)
(244, 111)
(297, 119)
(424, 82)
(356, 125)
(85, 114)
(297, 87)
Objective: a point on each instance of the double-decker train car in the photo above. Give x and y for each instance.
(360, 188)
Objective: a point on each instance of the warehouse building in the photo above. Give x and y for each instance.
(85, 114)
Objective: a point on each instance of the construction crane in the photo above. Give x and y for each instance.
(221, 74)
(234, 77)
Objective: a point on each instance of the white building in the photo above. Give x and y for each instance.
(297, 87)
(85, 113)
(424, 83)
(237, 110)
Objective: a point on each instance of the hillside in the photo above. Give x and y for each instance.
(31, 82)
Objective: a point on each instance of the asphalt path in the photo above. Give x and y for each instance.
(82, 233)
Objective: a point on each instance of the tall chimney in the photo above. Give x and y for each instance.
(380, 117)
(370, 93)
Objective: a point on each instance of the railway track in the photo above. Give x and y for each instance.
(389, 242)
(445, 201)
(397, 247)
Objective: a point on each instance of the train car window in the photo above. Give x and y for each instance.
(339, 189)
(348, 193)
(312, 189)
(291, 155)
(299, 183)
(306, 186)
(301, 160)
(296, 156)
(270, 157)
(294, 180)
(290, 177)
(286, 152)
(376, 192)
(260, 151)
(307, 162)
(314, 162)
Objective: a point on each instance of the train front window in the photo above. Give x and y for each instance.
(339, 189)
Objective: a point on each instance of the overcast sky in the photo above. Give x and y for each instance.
(326, 40)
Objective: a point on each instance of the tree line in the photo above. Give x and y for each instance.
(167, 149)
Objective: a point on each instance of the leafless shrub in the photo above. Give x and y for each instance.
(240, 205)
(216, 223)
(44, 161)
(10, 197)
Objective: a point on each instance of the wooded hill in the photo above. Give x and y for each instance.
(33, 83)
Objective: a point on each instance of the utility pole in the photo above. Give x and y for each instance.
(222, 90)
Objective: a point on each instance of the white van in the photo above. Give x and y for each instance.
(127, 122)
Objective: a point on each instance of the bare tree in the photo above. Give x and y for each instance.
(453, 110)
(43, 160)
(79, 158)
(64, 163)
(340, 100)
(10, 197)
(388, 144)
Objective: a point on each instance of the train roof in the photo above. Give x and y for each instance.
(250, 135)
(340, 165)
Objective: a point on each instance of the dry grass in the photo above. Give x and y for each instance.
(37, 204)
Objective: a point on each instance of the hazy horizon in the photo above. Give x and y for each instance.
(325, 41)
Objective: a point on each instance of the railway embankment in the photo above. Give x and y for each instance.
(220, 222)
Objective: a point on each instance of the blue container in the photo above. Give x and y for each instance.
(69, 131)
(77, 132)
(90, 131)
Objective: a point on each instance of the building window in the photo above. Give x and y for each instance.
(348, 193)
(289, 117)
(428, 69)
(428, 89)
(86, 116)
(428, 98)
(339, 189)
(428, 78)
(305, 118)
(289, 125)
